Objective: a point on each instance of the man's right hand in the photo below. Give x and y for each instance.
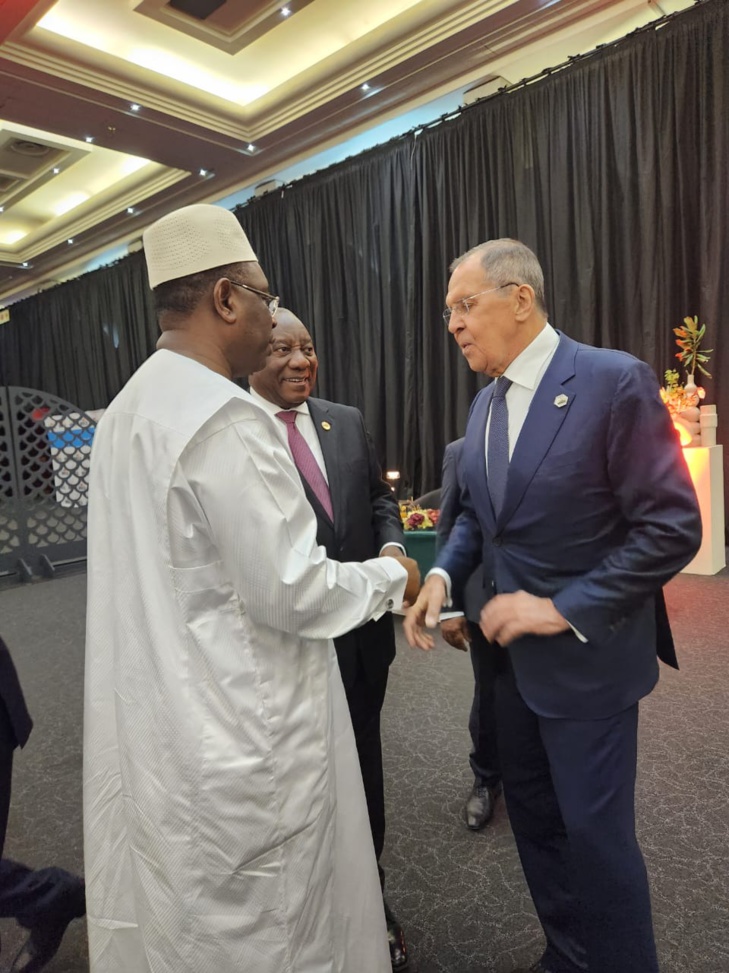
(455, 632)
(412, 586)
(425, 611)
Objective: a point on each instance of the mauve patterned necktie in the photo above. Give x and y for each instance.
(498, 444)
(306, 462)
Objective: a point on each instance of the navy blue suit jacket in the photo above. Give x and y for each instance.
(599, 514)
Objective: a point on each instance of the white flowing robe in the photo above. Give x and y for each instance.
(225, 822)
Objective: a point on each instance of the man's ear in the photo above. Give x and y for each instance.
(526, 301)
(224, 301)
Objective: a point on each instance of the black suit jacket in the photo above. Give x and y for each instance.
(366, 517)
(11, 695)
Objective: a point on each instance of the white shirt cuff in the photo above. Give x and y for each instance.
(446, 577)
(394, 544)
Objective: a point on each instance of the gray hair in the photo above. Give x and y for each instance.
(505, 261)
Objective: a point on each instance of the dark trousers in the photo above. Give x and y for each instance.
(484, 756)
(33, 897)
(365, 698)
(570, 789)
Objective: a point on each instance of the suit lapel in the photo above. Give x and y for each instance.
(328, 440)
(543, 421)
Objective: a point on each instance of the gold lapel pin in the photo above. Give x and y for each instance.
(561, 400)
(326, 425)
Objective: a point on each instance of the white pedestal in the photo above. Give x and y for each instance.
(705, 464)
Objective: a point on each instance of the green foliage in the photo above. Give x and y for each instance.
(688, 339)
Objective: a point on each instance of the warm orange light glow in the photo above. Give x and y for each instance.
(684, 435)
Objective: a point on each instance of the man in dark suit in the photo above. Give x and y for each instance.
(46, 900)
(358, 518)
(463, 633)
(577, 498)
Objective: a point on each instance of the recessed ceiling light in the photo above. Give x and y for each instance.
(56, 170)
(2, 208)
(203, 173)
(25, 264)
(135, 107)
(70, 240)
(365, 87)
(251, 147)
(89, 138)
(285, 12)
(130, 210)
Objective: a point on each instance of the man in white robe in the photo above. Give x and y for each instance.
(224, 815)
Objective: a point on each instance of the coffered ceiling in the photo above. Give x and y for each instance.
(113, 112)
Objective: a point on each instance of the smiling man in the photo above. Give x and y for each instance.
(357, 518)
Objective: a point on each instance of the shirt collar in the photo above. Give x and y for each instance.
(272, 408)
(529, 366)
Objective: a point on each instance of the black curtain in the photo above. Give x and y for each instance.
(82, 340)
(613, 168)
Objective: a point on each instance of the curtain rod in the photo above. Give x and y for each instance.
(571, 61)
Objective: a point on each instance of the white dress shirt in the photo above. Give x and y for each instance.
(305, 425)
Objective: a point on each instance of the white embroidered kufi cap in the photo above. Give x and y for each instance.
(193, 239)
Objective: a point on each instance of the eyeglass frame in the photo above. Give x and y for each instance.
(272, 301)
(448, 312)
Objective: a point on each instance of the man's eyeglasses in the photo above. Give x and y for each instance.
(269, 300)
(464, 305)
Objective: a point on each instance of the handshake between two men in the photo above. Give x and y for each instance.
(504, 618)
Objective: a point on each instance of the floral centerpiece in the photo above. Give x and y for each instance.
(682, 399)
(417, 518)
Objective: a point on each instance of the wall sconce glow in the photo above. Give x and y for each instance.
(70, 202)
(134, 107)
(10, 238)
(392, 475)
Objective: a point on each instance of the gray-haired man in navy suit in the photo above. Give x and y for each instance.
(577, 497)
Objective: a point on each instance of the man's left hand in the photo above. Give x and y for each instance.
(508, 617)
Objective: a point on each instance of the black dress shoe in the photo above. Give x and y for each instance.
(42, 944)
(396, 941)
(479, 807)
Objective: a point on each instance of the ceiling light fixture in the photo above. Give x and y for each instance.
(56, 170)
(70, 240)
(2, 209)
(134, 106)
(251, 147)
(365, 87)
(203, 173)
(285, 12)
(130, 210)
(25, 264)
(89, 138)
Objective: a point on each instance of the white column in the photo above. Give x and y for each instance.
(705, 464)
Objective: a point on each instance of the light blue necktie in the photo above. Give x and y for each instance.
(498, 444)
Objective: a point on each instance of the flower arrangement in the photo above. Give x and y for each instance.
(417, 518)
(678, 396)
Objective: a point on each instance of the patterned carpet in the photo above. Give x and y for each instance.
(460, 896)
